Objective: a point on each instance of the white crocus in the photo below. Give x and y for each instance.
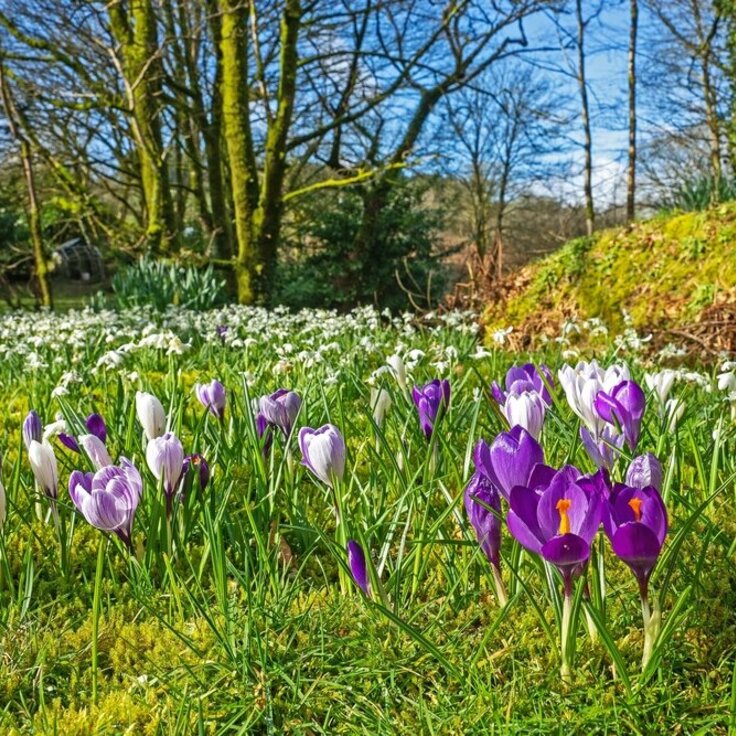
(43, 464)
(150, 414)
(525, 410)
(582, 384)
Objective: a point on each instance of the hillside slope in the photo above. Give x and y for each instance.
(673, 274)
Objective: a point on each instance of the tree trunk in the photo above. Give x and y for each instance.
(136, 32)
(220, 193)
(258, 206)
(631, 177)
(40, 260)
(239, 140)
(585, 118)
(714, 126)
(270, 204)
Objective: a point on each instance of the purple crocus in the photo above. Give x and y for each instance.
(280, 409)
(624, 408)
(32, 429)
(645, 471)
(598, 482)
(430, 399)
(481, 500)
(525, 378)
(108, 499)
(636, 523)
(264, 429)
(199, 467)
(356, 560)
(604, 449)
(558, 523)
(323, 452)
(95, 425)
(213, 397)
(509, 460)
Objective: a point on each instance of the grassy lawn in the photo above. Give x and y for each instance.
(239, 614)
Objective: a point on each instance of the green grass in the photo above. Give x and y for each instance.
(224, 636)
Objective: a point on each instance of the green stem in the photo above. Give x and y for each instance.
(501, 595)
(651, 619)
(96, 613)
(341, 534)
(566, 667)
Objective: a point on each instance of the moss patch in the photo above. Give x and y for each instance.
(664, 272)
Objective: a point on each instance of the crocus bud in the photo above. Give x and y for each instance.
(525, 410)
(429, 400)
(479, 494)
(264, 428)
(32, 429)
(212, 396)
(356, 559)
(645, 471)
(43, 464)
(150, 414)
(280, 409)
(96, 450)
(323, 452)
(96, 426)
(525, 378)
(165, 458)
(381, 403)
(196, 464)
(396, 364)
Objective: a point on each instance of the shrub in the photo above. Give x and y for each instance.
(323, 267)
(699, 194)
(160, 283)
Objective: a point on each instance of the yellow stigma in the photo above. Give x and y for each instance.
(636, 504)
(562, 506)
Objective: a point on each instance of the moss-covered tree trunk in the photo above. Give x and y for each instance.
(134, 28)
(257, 201)
(270, 203)
(239, 140)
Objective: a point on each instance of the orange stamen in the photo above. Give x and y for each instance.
(562, 506)
(636, 504)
